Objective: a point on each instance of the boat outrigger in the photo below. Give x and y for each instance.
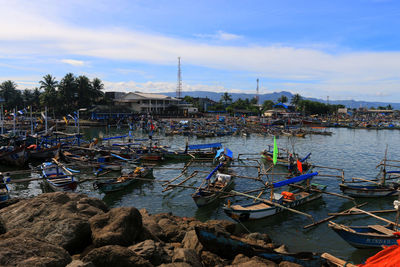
(279, 201)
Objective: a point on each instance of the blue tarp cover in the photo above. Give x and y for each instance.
(294, 179)
(226, 151)
(280, 105)
(204, 146)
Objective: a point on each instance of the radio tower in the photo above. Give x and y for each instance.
(257, 96)
(179, 86)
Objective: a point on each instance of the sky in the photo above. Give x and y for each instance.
(317, 48)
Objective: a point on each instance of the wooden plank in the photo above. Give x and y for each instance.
(373, 215)
(332, 217)
(359, 213)
(382, 229)
(336, 261)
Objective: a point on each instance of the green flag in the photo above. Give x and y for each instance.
(275, 155)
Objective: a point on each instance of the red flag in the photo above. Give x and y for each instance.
(152, 127)
(299, 166)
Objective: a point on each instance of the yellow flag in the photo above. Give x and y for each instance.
(65, 119)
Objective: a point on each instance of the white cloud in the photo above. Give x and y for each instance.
(305, 70)
(73, 62)
(220, 35)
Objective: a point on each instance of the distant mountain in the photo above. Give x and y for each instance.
(275, 95)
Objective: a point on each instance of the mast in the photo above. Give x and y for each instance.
(30, 108)
(257, 93)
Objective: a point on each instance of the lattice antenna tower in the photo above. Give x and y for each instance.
(179, 85)
(257, 92)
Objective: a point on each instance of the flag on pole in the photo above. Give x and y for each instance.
(275, 154)
(65, 119)
(299, 166)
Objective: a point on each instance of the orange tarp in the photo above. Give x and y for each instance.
(388, 257)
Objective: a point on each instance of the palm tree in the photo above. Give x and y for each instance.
(296, 100)
(49, 96)
(12, 96)
(97, 87)
(282, 99)
(226, 98)
(68, 91)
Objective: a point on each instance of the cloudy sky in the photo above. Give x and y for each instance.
(318, 48)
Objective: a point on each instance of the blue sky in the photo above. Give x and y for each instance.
(340, 49)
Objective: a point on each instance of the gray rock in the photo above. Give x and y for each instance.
(186, 255)
(191, 241)
(58, 218)
(79, 263)
(21, 248)
(151, 251)
(113, 255)
(119, 226)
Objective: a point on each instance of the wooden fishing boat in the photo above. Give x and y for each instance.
(371, 236)
(42, 152)
(4, 192)
(285, 158)
(15, 156)
(230, 246)
(201, 151)
(211, 191)
(263, 209)
(123, 181)
(58, 177)
(373, 188)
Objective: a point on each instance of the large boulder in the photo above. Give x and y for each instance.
(114, 256)
(209, 259)
(58, 218)
(191, 241)
(186, 255)
(241, 260)
(152, 251)
(119, 226)
(22, 248)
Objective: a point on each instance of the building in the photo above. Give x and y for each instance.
(143, 103)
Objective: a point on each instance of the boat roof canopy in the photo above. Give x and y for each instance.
(204, 146)
(294, 179)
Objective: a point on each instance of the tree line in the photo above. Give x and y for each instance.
(297, 103)
(64, 96)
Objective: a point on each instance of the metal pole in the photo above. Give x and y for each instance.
(2, 119)
(14, 122)
(45, 117)
(31, 120)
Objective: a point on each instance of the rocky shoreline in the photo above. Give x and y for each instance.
(69, 229)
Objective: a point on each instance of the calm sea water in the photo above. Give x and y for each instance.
(356, 151)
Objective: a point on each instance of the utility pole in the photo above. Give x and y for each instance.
(179, 85)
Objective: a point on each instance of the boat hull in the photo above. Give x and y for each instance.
(368, 191)
(359, 239)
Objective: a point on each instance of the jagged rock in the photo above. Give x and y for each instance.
(186, 255)
(22, 248)
(119, 226)
(79, 263)
(171, 231)
(176, 264)
(241, 260)
(209, 259)
(289, 264)
(227, 226)
(114, 255)
(191, 241)
(264, 238)
(151, 251)
(58, 218)
(2, 227)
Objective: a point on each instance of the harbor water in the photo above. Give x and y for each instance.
(356, 151)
